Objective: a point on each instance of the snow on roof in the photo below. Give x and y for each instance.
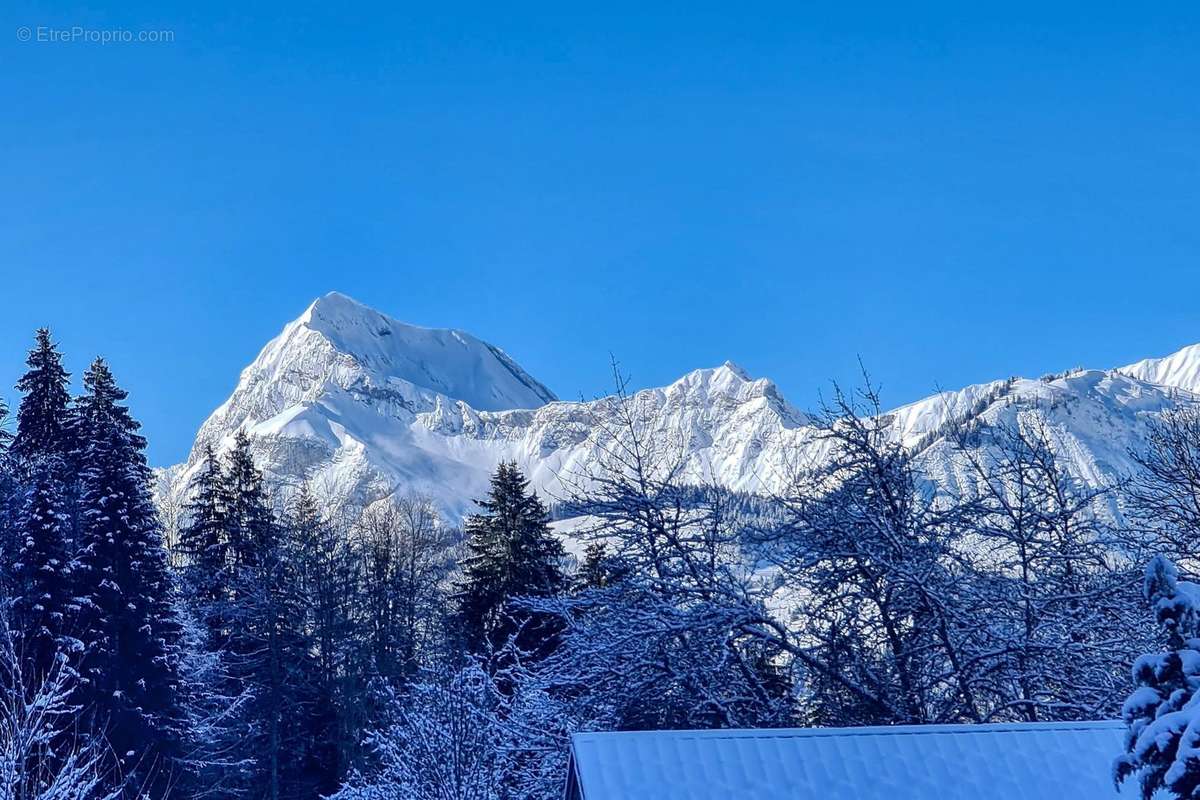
(1032, 761)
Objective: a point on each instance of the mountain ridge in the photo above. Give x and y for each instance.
(367, 405)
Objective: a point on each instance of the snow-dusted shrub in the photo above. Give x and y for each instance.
(443, 745)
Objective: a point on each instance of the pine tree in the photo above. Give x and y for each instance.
(217, 765)
(5, 434)
(204, 546)
(250, 526)
(39, 550)
(269, 651)
(325, 571)
(217, 693)
(129, 630)
(43, 420)
(511, 553)
(1164, 709)
(43, 605)
(599, 569)
(9, 499)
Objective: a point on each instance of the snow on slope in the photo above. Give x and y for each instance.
(1180, 370)
(364, 405)
(1094, 419)
(335, 381)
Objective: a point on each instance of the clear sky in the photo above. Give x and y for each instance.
(956, 192)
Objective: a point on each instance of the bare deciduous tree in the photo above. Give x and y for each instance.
(42, 756)
(1164, 496)
(1053, 586)
(405, 556)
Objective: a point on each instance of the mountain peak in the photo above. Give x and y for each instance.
(729, 366)
(450, 362)
(333, 300)
(727, 373)
(335, 307)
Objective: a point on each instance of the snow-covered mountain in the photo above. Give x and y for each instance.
(365, 405)
(1180, 370)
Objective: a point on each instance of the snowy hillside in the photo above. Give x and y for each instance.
(1180, 370)
(365, 405)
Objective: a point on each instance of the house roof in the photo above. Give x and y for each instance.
(1032, 761)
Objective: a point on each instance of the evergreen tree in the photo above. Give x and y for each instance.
(326, 575)
(216, 763)
(5, 433)
(268, 649)
(251, 530)
(217, 693)
(204, 546)
(39, 546)
(129, 629)
(43, 604)
(10, 498)
(1164, 709)
(599, 569)
(43, 419)
(511, 553)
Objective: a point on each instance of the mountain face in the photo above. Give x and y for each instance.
(1179, 370)
(363, 405)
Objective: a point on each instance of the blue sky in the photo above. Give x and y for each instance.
(953, 192)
